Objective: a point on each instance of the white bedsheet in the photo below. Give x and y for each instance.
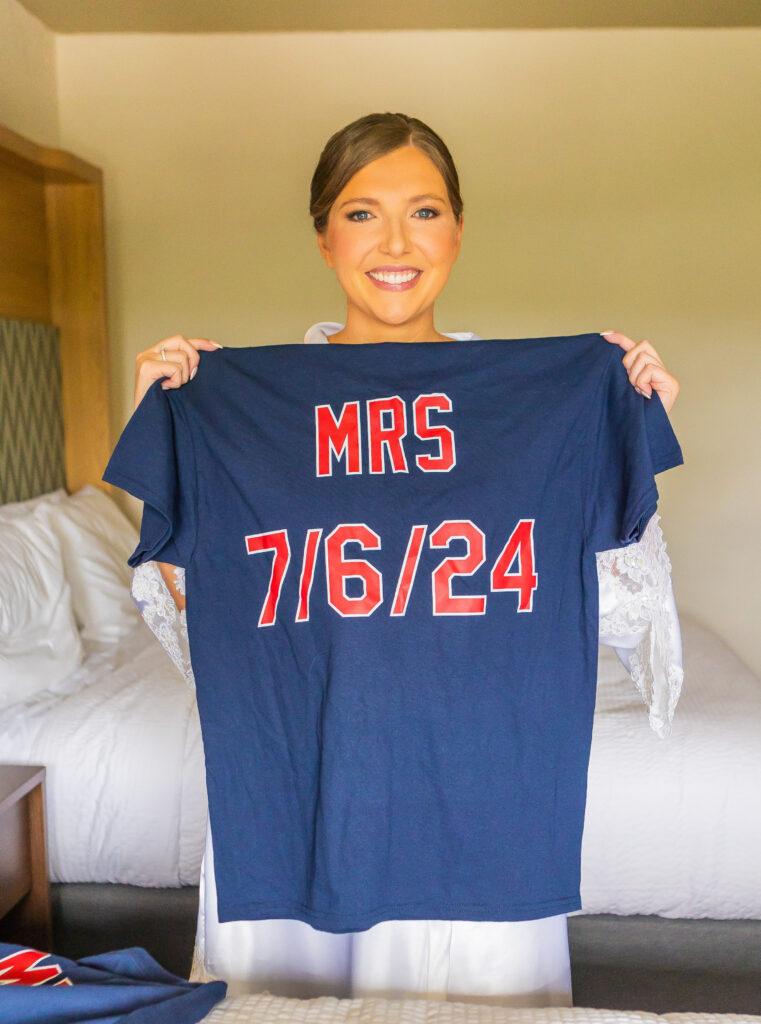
(673, 827)
(126, 798)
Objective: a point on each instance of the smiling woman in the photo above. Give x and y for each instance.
(376, 430)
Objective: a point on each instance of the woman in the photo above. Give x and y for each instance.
(388, 215)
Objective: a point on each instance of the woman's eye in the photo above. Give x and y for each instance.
(363, 215)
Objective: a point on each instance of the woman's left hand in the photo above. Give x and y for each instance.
(646, 371)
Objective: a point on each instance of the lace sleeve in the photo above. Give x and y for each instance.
(151, 595)
(638, 618)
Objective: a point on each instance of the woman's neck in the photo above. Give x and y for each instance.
(360, 330)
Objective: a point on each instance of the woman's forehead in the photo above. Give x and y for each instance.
(406, 169)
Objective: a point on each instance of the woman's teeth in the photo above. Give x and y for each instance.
(396, 278)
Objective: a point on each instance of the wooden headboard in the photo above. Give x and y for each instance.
(52, 272)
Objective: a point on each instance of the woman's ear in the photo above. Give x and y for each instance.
(325, 250)
(460, 228)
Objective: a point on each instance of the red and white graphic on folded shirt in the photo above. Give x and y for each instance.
(21, 968)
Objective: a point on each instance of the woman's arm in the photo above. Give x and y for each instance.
(158, 601)
(170, 573)
(639, 620)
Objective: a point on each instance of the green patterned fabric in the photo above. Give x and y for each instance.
(31, 423)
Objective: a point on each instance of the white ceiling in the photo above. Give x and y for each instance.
(374, 15)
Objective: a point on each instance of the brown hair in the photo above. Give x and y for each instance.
(369, 137)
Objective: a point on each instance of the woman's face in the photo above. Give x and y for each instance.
(393, 216)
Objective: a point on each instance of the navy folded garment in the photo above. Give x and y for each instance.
(126, 985)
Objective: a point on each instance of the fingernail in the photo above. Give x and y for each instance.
(217, 344)
(606, 333)
(193, 372)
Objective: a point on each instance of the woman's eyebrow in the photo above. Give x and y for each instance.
(374, 202)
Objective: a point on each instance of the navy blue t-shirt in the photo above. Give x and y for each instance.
(392, 607)
(126, 986)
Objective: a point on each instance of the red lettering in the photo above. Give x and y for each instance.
(409, 568)
(277, 542)
(20, 968)
(338, 438)
(444, 461)
(524, 579)
(382, 438)
(444, 601)
(307, 574)
(338, 569)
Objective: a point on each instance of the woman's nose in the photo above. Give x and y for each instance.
(396, 240)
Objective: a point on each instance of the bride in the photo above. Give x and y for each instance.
(388, 216)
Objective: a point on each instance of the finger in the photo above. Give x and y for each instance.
(205, 343)
(637, 364)
(172, 364)
(655, 378)
(173, 377)
(618, 339)
(151, 367)
(640, 347)
(190, 346)
(170, 342)
(181, 360)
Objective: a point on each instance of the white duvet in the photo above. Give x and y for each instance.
(672, 826)
(125, 791)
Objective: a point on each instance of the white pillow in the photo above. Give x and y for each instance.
(39, 642)
(96, 540)
(17, 509)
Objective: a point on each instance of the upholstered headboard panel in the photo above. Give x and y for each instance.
(32, 459)
(52, 271)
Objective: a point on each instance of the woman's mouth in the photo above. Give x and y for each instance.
(396, 280)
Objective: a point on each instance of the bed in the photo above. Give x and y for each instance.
(670, 830)
(119, 733)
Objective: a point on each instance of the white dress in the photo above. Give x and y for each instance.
(507, 963)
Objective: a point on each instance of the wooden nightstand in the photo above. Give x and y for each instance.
(24, 885)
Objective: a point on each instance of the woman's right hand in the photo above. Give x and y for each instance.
(179, 366)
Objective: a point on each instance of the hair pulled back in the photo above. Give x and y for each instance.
(369, 137)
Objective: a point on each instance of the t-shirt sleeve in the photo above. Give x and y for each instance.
(634, 441)
(153, 459)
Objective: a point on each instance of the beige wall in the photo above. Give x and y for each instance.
(28, 92)
(611, 180)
